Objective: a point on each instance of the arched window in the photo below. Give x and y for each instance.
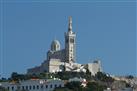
(60, 85)
(55, 85)
(26, 87)
(8, 88)
(33, 86)
(37, 86)
(46, 86)
(22, 87)
(51, 86)
(30, 87)
(12, 88)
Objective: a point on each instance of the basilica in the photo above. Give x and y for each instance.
(64, 59)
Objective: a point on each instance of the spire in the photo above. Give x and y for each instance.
(70, 24)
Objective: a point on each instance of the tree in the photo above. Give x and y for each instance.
(14, 76)
(74, 85)
(94, 86)
(103, 77)
(3, 79)
(130, 77)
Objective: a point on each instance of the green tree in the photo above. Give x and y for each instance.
(130, 77)
(14, 76)
(94, 86)
(103, 77)
(74, 85)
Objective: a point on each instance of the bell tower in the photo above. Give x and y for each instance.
(70, 50)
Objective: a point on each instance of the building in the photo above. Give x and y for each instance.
(64, 59)
(33, 85)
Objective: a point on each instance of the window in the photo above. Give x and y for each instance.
(8, 88)
(30, 87)
(57, 46)
(71, 40)
(54, 47)
(12, 88)
(33, 87)
(46, 86)
(51, 86)
(60, 85)
(23, 87)
(55, 85)
(26, 87)
(37, 86)
(66, 40)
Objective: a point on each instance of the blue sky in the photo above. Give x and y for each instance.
(106, 30)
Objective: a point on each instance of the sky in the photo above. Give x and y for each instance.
(105, 30)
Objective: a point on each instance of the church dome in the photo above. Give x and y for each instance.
(55, 45)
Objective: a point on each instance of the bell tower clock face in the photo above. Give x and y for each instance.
(71, 40)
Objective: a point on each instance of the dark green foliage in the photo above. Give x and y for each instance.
(94, 86)
(99, 82)
(3, 79)
(18, 77)
(62, 75)
(130, 77)
(74, 86)
(45, 75)
(103, 77)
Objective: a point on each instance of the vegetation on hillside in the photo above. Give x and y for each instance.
(76, 86)
(99, 82)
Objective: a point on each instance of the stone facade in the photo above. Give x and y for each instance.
(94, 67)
(64, 59)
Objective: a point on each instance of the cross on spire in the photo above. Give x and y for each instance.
(70, 24)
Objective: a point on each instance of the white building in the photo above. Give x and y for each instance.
(33, 85)
(64, 59)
